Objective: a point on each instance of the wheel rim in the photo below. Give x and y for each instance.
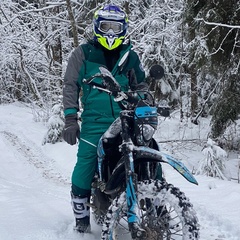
(160, 221)
(164, 214)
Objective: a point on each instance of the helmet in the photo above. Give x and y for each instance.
(110, 26)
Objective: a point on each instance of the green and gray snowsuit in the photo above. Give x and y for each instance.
(99, 108)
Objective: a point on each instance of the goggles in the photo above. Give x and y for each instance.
(105, 26)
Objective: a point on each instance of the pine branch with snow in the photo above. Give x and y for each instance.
(214, 163)
(55, 125)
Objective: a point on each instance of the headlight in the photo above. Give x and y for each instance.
(145, 123)
(147, 132)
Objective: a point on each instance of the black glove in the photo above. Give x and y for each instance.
(71, 130)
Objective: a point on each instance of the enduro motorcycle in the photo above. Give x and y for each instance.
(130, 198)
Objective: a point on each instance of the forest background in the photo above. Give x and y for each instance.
(197, 43)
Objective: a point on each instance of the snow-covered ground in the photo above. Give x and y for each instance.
(35, 182)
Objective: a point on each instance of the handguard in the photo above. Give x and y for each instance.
(109, 82)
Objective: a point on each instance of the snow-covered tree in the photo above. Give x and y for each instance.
(55, 125)
(35, 40)
(226, 109)
(213, 164)
(155, 30)
(230, 137)
(212, 34)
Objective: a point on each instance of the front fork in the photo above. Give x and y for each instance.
(131, 179)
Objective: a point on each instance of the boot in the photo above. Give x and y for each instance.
(82, 213)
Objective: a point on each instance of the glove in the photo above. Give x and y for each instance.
(71, 130)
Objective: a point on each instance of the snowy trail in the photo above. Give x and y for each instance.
(35, 185)
(28, 150)
(34, 202)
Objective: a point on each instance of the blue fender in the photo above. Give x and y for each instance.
(145, 154)
(157, 156)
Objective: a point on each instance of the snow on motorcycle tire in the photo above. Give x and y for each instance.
(165, 213)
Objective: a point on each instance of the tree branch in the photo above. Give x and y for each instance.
(218, 24)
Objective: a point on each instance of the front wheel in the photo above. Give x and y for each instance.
(165, 214)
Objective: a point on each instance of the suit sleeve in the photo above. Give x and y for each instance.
(71, 88)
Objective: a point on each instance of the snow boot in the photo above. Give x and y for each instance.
(82, 213)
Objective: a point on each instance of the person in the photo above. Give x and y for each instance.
(107, 48)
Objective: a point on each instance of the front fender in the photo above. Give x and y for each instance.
(157, 156)
(146, 154)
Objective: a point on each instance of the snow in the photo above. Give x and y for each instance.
(35, 182)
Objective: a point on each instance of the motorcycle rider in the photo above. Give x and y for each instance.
(99, 109)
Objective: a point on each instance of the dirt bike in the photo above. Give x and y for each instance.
(130, 198)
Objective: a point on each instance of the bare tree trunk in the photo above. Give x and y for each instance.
(18, 84)
(73, 23)
(194, 92)
(126, 7)
(55, 46)
(30, 81)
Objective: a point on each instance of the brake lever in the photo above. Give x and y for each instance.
(89, 80)
(101, 88)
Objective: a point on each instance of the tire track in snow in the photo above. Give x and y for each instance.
(35, 156)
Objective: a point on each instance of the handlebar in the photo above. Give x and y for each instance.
(112, 87)
(118, 95)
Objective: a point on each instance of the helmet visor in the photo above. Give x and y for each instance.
(105, 26)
